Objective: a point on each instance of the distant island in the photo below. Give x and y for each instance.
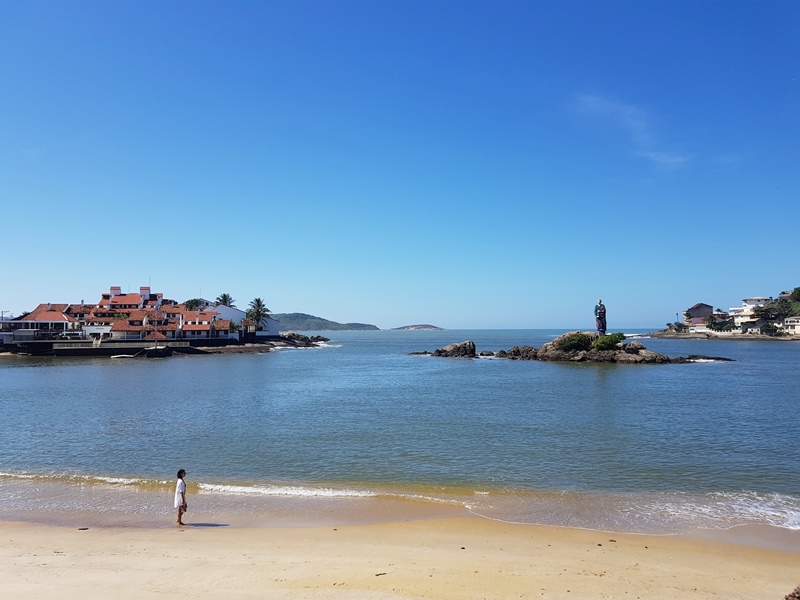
(304, 322)
(418, 328)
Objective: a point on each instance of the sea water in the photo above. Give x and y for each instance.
(328, 433)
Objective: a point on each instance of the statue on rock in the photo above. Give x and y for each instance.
(600, 317)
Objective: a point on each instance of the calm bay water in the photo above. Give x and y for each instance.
(650, 448)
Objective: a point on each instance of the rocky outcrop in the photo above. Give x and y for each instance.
(461, 350)
(632, 353)
(300, 340)
(575, 346)
(518, 353)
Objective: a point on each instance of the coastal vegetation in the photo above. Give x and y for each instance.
(226, 300)
(258, 310)
(608, 342)
(305, 322)
(780, 308)
(577, 342)
(574, 342)
(194, 303)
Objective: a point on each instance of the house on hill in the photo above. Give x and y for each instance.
(268, 327)
(698, 311)
(791, 325)
(744, 314)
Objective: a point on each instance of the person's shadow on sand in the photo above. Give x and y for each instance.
(206, 525)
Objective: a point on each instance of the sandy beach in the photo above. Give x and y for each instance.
(450, 558)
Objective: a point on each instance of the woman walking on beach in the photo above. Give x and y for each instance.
(180, 496)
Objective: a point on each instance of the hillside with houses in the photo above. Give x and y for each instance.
(758, 315)
(144, 316)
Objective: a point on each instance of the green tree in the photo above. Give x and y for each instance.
(795, 296)
(193, 304)
(257, 311)
(775, 310)
(770, 329)
(226, 300)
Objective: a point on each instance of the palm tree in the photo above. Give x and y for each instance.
(226, 300)
(257, 311)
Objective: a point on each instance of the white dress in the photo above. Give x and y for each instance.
(180, 488)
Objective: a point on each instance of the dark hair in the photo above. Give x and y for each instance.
(181, 473)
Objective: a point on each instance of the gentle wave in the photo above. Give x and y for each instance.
(284, 490)
(667, 512)
(654, 512)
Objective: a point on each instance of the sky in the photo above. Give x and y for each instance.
(489, 164)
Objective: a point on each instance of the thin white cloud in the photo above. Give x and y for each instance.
(637, 123)
(665, 159)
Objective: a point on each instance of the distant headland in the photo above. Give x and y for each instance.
(304, 322)
(418, 328)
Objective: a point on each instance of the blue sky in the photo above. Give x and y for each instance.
(481, 164)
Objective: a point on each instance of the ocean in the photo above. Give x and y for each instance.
(360, 430)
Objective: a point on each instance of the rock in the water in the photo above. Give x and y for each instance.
(520, 353)
(298, 339)
(576, 346)
(461, 350)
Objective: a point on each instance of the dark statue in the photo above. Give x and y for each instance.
(600, 317)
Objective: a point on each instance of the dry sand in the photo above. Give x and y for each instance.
(449, 558)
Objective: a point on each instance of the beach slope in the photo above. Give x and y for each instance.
(452, 558)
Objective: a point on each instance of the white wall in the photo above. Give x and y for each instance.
(231, 314)
(271, 328)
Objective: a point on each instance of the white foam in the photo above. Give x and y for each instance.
(121, 480)
(734, 508)
(287, 490)
(18, 475)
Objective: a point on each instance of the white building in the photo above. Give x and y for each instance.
(791, 326)
(744, 313)
(269, 326)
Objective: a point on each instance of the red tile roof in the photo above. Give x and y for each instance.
(126, 299)
(155, 335)
(80, 309)
(55, 313)
(202, 315)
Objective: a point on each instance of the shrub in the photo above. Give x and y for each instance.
(574, 341)
(608, 342)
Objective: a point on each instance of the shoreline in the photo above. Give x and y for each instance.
(288, 341)
(750, 337)
(81, 501)
(443, 558)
